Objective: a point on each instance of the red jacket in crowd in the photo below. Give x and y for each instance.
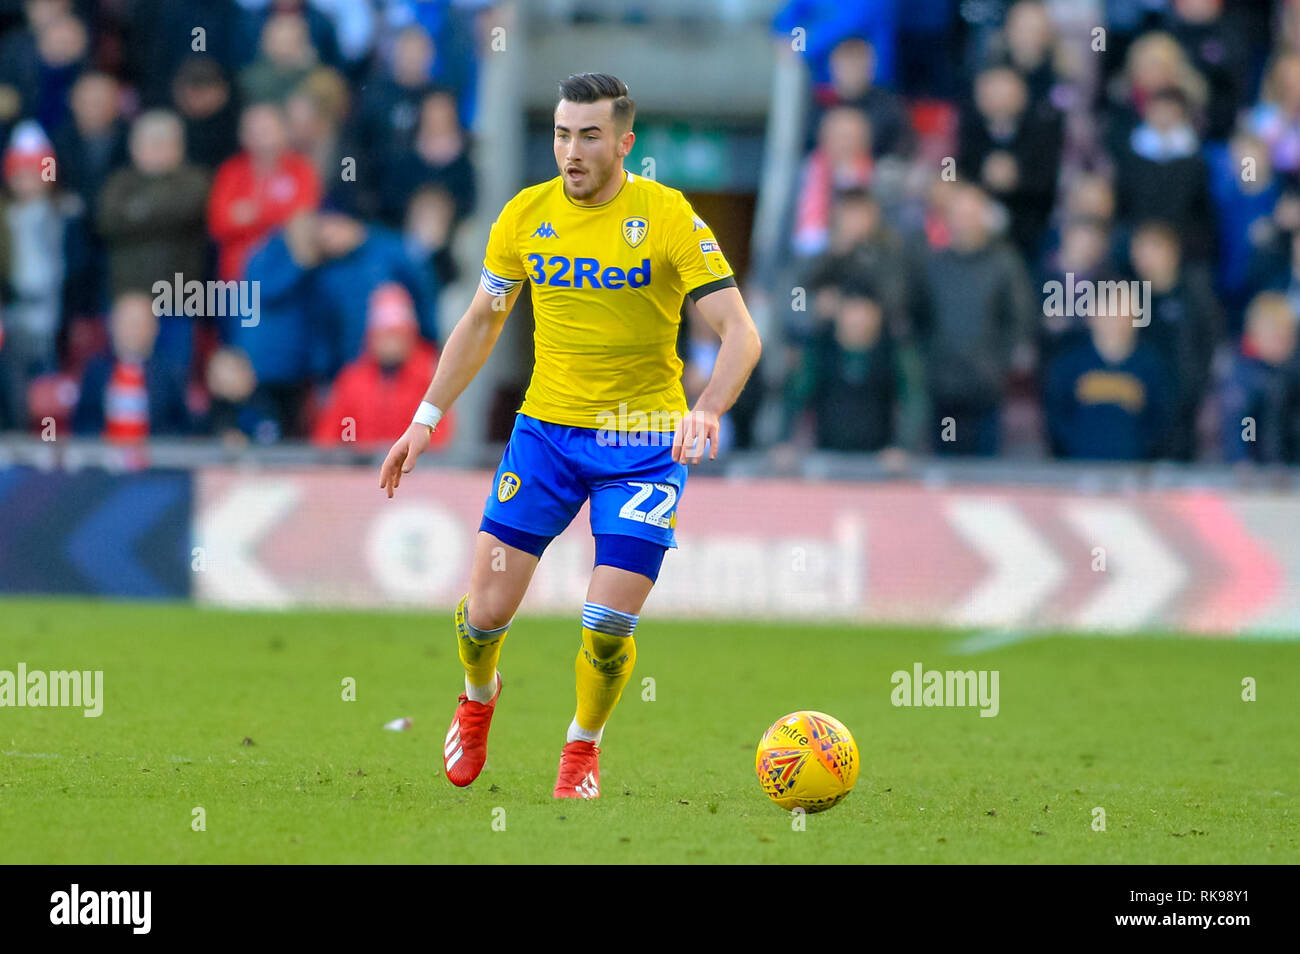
(246, 207)
(378, 405)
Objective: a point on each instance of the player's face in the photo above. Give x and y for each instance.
(588, 150)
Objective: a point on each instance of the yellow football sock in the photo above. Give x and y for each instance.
(479, 649)
(604, 666)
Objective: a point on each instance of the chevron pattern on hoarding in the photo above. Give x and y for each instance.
(990, 558)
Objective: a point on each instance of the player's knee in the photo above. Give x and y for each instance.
(607, 642)
(483, 614)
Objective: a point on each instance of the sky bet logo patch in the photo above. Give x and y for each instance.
(560, 271)
(508, 486)
(713, 260)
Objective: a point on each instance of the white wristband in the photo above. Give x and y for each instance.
(428, 415)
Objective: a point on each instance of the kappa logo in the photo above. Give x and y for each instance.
(545, 230)
(699, 223)
(508, 486)
(634, 230)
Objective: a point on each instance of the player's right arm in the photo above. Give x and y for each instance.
(467, 348)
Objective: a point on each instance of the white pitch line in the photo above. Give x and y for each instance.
(123, 758)
(989, 639)
(33, 755)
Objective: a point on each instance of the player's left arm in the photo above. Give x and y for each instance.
(726, 314)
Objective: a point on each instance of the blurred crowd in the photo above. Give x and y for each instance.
(229, 218)
(1035, 228)
(972, 168)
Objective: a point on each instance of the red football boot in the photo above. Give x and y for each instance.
(465, 749)
(579, 775)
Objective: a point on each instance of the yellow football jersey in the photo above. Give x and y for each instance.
(607, 284)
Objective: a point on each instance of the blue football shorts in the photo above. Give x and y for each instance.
(548, 470)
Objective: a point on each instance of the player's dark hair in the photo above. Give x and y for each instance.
(593, 87)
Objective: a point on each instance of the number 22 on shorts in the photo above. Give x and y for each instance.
(659, 516)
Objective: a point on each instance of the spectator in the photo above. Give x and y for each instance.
(1276, 120)
(287, 347)
(151, 215)
(258, 189)
(238, 413)
(36, 219)
(285, 57)
(1028, 45)
(20, 61)
(368, 404)
(455, 31)
(1084, 256)
(851, 379)
(93, 143)
(203, 97)
(1155, 62)
(39, 64)
(439, 156)
(62, 47)
(1090, 195)
(1217, 53)
(1013, 152)
(1107, 398)
(160, 38)
(353, 28)
(852, 83)
(352, 259)
(315, 111)
(129, 396)
(89, 147)
(5, 261)
(863, 251)
(977, 313)
(1085, 195)
(1249, 211)
(1279, 268)
(315, 24)
(928, 49)
(390, 103)
(428, 230)
(826, 22)
(1259, 397)
(1183, 327)
(842, 160)
(1161, 175)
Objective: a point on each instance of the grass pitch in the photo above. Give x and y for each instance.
(1152, 730)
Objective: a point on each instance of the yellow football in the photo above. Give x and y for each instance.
(807, 760)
